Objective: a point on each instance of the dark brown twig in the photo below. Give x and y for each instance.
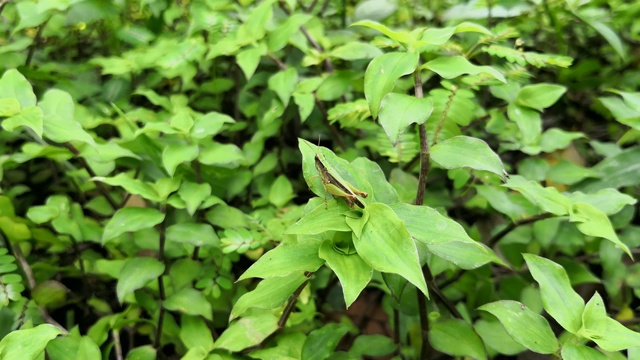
(34, 45)
(502, 233)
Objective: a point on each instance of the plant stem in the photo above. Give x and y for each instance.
(291, 303)
(162, 298)
(34, 46)
(422, 184)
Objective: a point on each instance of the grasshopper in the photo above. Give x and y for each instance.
(335, 185)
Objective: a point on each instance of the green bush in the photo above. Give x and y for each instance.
(473, 187)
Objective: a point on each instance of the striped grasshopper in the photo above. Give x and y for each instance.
(335, 185)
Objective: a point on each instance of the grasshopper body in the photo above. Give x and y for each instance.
(334, 184)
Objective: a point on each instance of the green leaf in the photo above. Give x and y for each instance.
(269, 294)
(569, 173)
(306, 103)
(321, 343)
(555, 139)
(191, 233)
(30, 15)
(146, 352)
(209, 124)
(59, 118)
(540, 96)
(465, 151)
(580, 352)
(248, 331)
(354, 274)
(386, 245)
(617, 171)
(13, 230)
(281, 35)
(450, 67)
(558, 298)
(189, 301)
(325, 217)
(176, 154)
(136, 273)
(254, 27)
(283, 83)
(194, 194)
(372, 345)
(224, 155)
(616, 337)
(523, 325)
(529, 123)
(593, 222)
(356, 50)
(456, 337)
(194, 332)
(43, 213)
(402, 37)
(605, 31)
(14, 85)
(30, 117)
(284, 260)
(548, 199)
(444, 237)
(131, 185)
(382, 73)
(73, 348)
(398, 111)
(496, 337)
(27, 343)
(249, 59)
(594, 318)
(281, 192)
(131, 219)
(9, 107)
(609, 201)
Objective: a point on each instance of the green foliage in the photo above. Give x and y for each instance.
(473, 192)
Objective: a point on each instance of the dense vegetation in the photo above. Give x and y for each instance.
(319, 179)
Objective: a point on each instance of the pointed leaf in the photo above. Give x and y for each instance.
(558, 298)
(617, 337)
(283, 83)
(524, 326)
(248, 331)
(548, 199)
(176, 154)
(402, 37)
(382, 73)
(14, 85)
(465, 151)
(131, 219)
(59, 118)
(286, 259)
(593, 222)
(136, 273)
(450, 67)
(456, 337)
(386, 245)
(540, 96)
(194, 194)
(269, 294)
(354, 274)
(191, 233)
(30, 117)
(398, 111)
(189, 301)
(27, 343)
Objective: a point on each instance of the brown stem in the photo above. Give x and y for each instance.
(291, 304)
(31, 283)
(34, 45)
(422, 184)
(514, 225)
(92, 173)
(163, 296)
